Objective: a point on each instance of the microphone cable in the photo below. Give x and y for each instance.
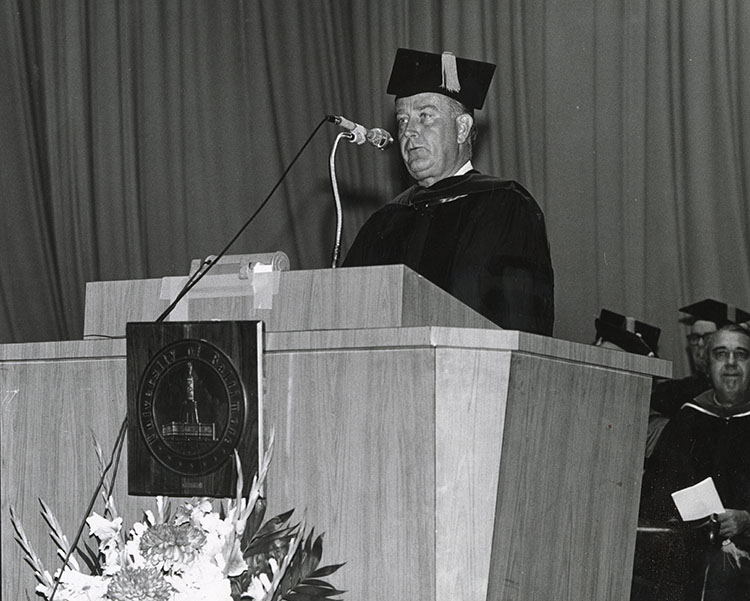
(211, 261)
(192, 281)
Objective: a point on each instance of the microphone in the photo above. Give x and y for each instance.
(359, 134)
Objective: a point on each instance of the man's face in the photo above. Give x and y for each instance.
(729, 364)
(696, 344)
(429, 134)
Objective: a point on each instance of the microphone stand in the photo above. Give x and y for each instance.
(356, 134)
(337, 199)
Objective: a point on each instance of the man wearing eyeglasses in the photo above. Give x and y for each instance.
(708, 437)
(703, 318)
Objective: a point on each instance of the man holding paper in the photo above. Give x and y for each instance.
(705, 449)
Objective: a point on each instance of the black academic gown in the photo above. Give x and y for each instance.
(667, 396)
(700, 441)
(480, 238)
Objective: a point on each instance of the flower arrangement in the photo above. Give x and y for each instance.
(194, 552)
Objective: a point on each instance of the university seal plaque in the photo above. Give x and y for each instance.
(193, 393)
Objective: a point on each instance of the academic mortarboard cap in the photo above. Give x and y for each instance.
(716, 311)
(629, 334)
(462, 79)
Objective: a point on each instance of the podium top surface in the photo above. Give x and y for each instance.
(318, 299)
(377, 338)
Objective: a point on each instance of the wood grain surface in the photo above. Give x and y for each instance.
(318, 299)
(439, 462)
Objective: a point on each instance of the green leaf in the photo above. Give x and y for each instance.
(254, 522)
(271, 540)
(302, 580)
(317, 582)
(276, 522)
(326, 570)
(313, 590)
(90, 557)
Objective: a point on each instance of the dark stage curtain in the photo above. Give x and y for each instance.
(138, 135)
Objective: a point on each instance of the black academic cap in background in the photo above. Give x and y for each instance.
(712, 310)
(629, 334)
(462, 79)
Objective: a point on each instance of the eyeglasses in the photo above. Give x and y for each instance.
(696, 339)
(722, 354)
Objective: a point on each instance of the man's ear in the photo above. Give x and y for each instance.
(464, 122)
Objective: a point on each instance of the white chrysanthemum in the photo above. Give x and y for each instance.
(171, 547)
(75, 586)
(201, 581)
(139, 584)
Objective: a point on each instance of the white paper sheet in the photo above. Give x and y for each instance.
(698, 501)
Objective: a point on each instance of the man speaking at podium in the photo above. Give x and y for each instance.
(480, 238)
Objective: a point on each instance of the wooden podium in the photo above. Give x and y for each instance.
(442, 457)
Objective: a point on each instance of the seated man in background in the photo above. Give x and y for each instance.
(703, 318)
(480, 238)
(667, 396)
(708, 437)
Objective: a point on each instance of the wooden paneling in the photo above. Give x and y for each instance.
(470, 405)
(50, 410)
(322, 299)
(570, 480)
(110, 305)
(399, 443)
(355, 452)
(473, 338)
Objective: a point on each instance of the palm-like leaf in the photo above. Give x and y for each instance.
(254, 522)
(275, 528)
(110, 510)
(90, 557)
(303, 580)
(244, 507)
(58, 536)
(43, 576)
(260, 544)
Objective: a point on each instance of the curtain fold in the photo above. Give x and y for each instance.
(139, 135)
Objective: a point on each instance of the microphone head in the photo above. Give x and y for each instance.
(379, 138)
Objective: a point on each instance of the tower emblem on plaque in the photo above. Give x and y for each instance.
(190, 429)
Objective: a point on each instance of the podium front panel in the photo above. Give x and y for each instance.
(439, 462)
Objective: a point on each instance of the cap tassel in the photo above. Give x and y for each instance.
(731, 313)
(450, 73)
(630, 325)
